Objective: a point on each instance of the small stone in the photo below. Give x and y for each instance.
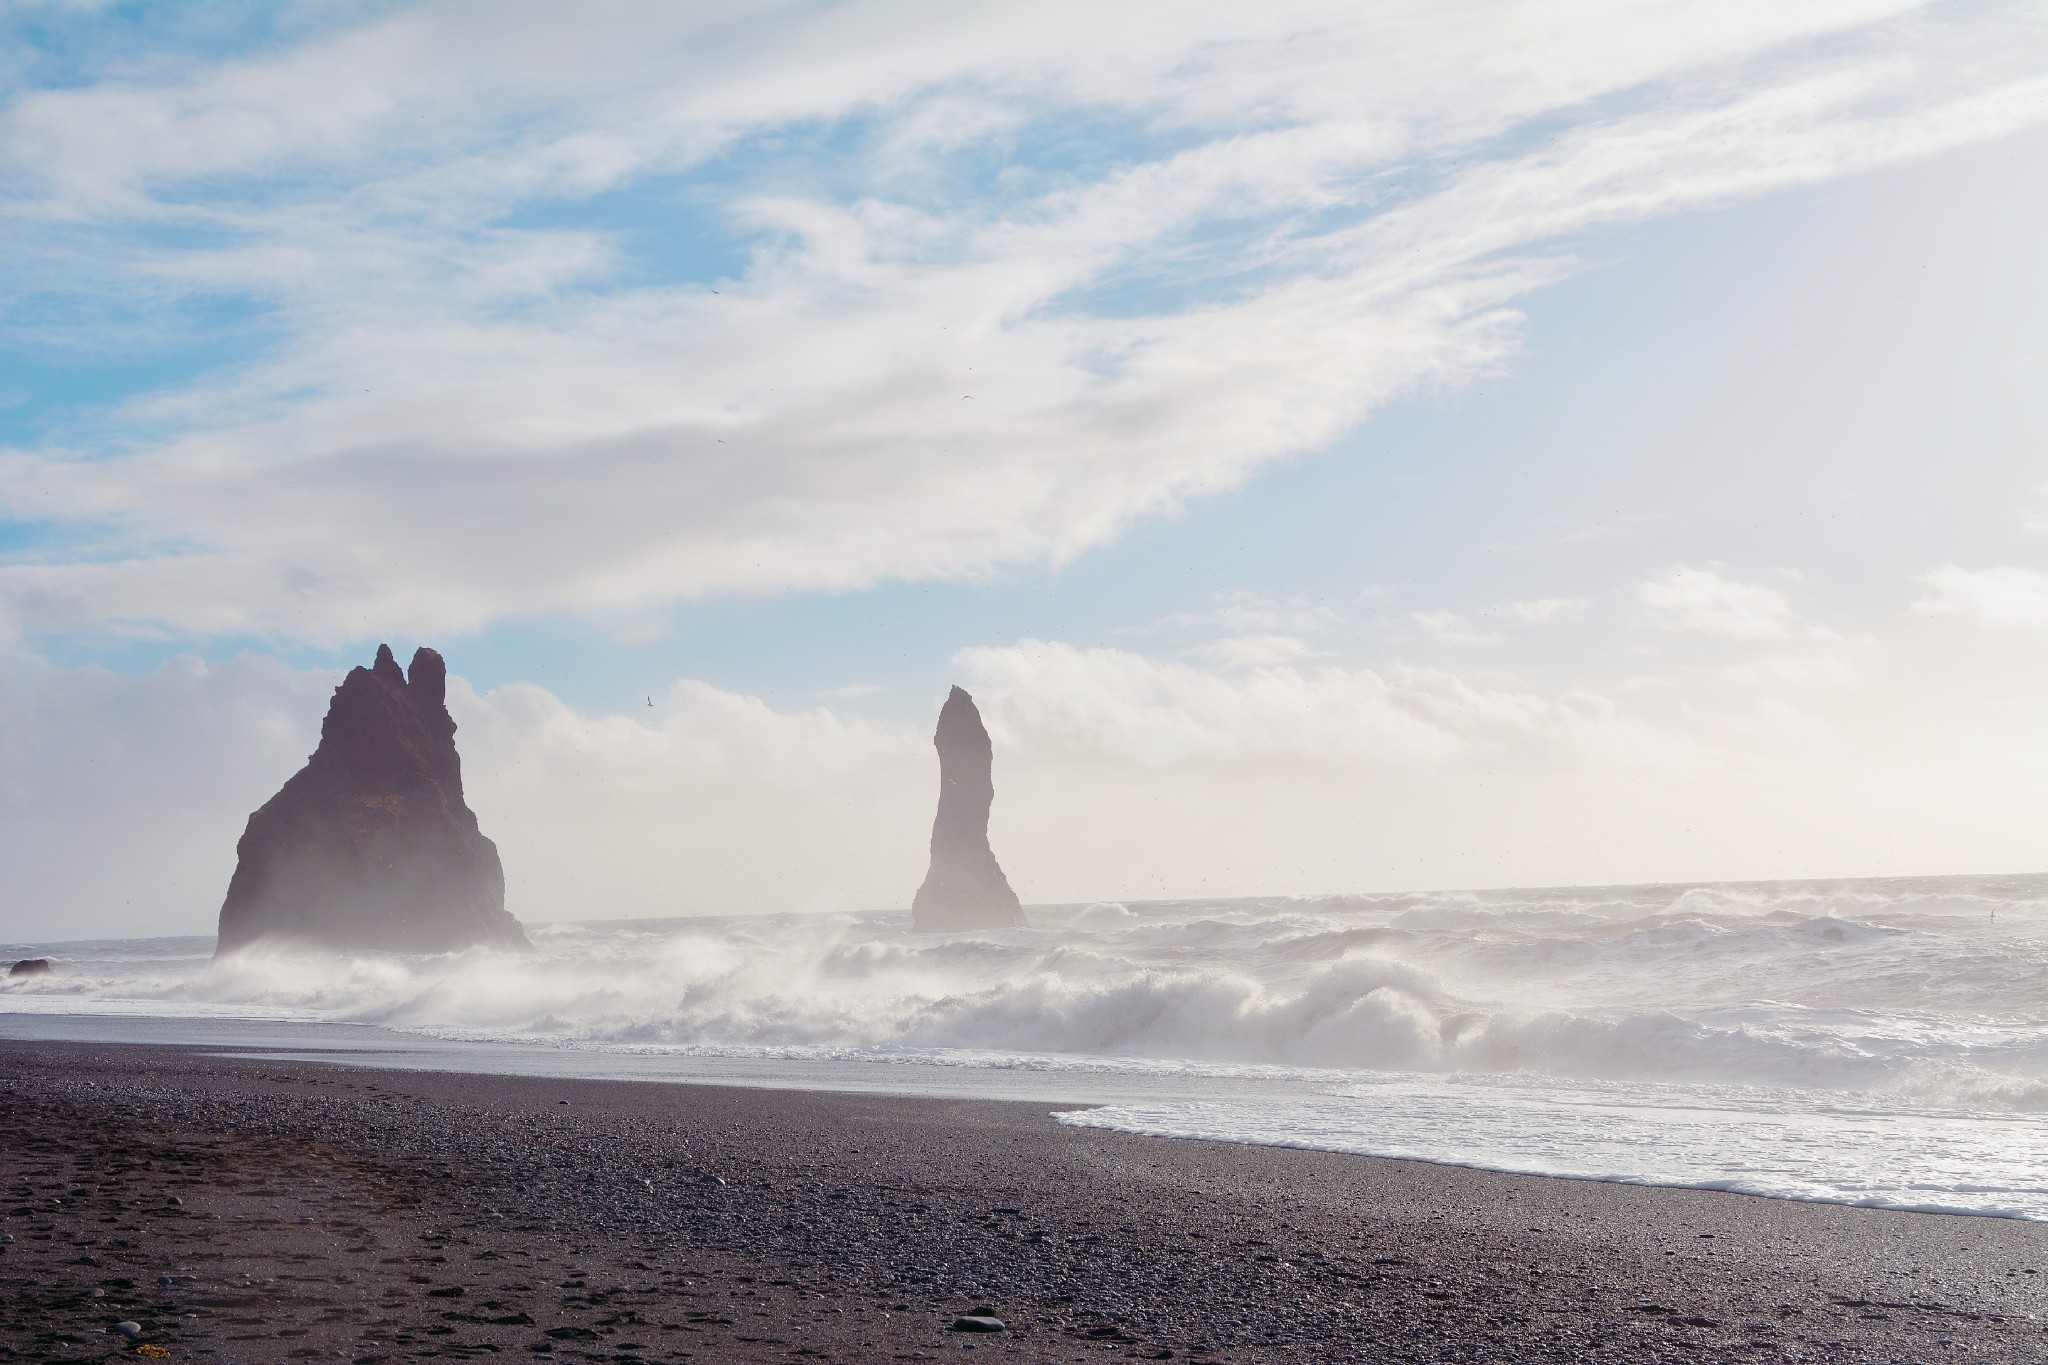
(976, 1322)
(710, 1180)
(174, 1199)
(130, 1330)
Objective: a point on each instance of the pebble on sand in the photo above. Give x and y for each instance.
(978, 1322)
(130, 1330)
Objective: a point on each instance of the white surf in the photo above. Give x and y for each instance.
(1881, 1042)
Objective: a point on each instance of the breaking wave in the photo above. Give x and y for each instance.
(1929, 992)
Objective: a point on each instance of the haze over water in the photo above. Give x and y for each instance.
(1875, 1041)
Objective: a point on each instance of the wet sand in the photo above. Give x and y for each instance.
(273, 1211)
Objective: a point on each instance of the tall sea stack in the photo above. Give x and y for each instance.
(370, 845)
(965, 889)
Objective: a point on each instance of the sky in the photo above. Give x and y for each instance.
(1343, 448)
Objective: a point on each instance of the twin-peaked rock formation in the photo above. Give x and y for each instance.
(370, 845)
(965, 888)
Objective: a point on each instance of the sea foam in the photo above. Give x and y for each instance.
(1526, 1030)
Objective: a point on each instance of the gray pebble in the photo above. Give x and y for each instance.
(130, 1330)
(978, 1324)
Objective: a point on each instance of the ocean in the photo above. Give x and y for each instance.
(1880, 1042)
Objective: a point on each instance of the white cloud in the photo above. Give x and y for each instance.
(1255, 651)
(1538, 611)
(1245, 611)
(121, 798)
(2034, 520)
(463, 420)
(1116, 705)
(1448, 628)
(1822, 661)
(720, 805)
(1705, 602)
(1252, 630)
(2001, 598)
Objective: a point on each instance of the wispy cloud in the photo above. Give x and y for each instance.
(1448, 627)
(1705, 602)
(997, 279)
(1536, 611)
(2034, 519)
(2008, 597)
(1053, 697)
(1255, 651)
(1455, 628)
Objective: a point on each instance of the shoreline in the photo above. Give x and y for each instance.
(409, 1215)
(378, 1047)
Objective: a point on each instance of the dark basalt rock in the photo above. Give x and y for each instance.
(370, 845)
(979, 1322)
(965, 888)
(30, 966)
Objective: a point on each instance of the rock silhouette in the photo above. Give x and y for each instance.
(30, 966)
(965, 888)
(370, 845)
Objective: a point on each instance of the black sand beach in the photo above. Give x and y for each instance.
(271, 1211)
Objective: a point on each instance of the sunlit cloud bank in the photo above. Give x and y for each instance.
(599, 310)
(121, 798)
(1121, 773)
